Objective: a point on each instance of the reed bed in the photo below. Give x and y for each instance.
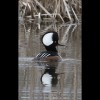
(47, 10)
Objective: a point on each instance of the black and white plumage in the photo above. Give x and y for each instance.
(46, 54)
(50, 42)
(49, 77)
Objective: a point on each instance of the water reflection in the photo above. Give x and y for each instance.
(67, 82)
(50, 77)
(65, 85)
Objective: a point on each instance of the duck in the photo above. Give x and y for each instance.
(50, 42)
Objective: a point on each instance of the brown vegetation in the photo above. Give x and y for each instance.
(47, 10)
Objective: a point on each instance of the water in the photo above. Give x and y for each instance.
(68, 86)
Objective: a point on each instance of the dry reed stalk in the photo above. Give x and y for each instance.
(43, 31)
(27, 33)
(38, 25)
(24, 11)
(34, 8)
(43, 8)
(72, 31)
(24, 28)
(74, 28)
(57, 5)
(56, 11)
(75, 14)
(29, 6)
(61, 18)
(64, 25)
(55, 27)
(67, 10)
(66, 33)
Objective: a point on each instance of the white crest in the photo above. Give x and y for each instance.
(46, 79)
(47, 39)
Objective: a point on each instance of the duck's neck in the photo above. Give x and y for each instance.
(51, 48)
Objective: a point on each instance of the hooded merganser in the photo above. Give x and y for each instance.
(50, 41)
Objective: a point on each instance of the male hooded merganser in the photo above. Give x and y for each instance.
(50, 41)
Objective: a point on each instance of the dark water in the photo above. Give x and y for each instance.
(68, 86)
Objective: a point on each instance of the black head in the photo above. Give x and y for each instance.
(50, 40)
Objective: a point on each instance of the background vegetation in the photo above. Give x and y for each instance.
(45, 10)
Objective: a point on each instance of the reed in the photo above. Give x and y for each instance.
(60, 10)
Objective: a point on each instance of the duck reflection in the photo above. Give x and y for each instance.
(50, 77)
